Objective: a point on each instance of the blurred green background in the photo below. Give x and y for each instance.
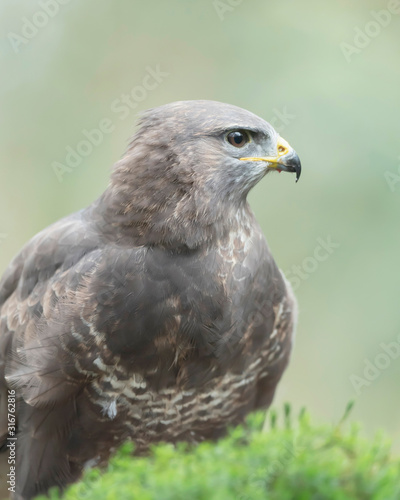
(282, 60)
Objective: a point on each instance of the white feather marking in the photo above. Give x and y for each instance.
(110, 409)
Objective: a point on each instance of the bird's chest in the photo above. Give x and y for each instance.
(215, 343)
(131, 407)
(135, 410)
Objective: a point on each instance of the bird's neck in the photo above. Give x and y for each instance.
(176, 220)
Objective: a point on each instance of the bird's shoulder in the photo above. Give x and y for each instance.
(54, 249)
(52, 324)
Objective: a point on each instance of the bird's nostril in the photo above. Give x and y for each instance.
(282, 149)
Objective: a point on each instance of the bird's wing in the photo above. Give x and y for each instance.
(71, 305)
(34, 295)
(57, 299)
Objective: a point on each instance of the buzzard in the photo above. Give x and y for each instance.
(158, 312)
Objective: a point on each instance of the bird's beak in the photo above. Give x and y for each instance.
(287, 159)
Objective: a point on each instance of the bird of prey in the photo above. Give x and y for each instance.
(158, 312)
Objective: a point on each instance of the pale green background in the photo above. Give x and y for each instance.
(264, 56)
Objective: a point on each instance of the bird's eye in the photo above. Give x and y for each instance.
(238, 138)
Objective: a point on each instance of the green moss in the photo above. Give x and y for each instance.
(289, 460)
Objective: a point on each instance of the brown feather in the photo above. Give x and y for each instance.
(157, 313)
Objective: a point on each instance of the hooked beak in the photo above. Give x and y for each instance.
(286, 159)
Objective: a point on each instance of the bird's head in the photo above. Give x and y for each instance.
(193, 158)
